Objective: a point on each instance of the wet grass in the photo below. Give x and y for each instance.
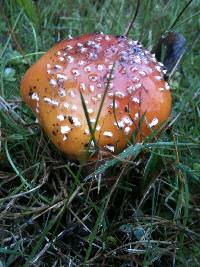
(143, 207)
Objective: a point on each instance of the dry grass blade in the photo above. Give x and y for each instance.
(130, 26)
(179, 15)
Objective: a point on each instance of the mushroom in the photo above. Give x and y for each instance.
(127, 77)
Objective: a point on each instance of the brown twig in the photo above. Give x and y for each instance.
(127, 31)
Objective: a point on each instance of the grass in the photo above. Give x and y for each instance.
(140, 208)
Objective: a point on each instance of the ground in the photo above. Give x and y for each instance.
(143, 207)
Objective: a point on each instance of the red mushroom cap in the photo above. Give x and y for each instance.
(91, 64)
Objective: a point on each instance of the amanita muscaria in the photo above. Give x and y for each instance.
(52, 86)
